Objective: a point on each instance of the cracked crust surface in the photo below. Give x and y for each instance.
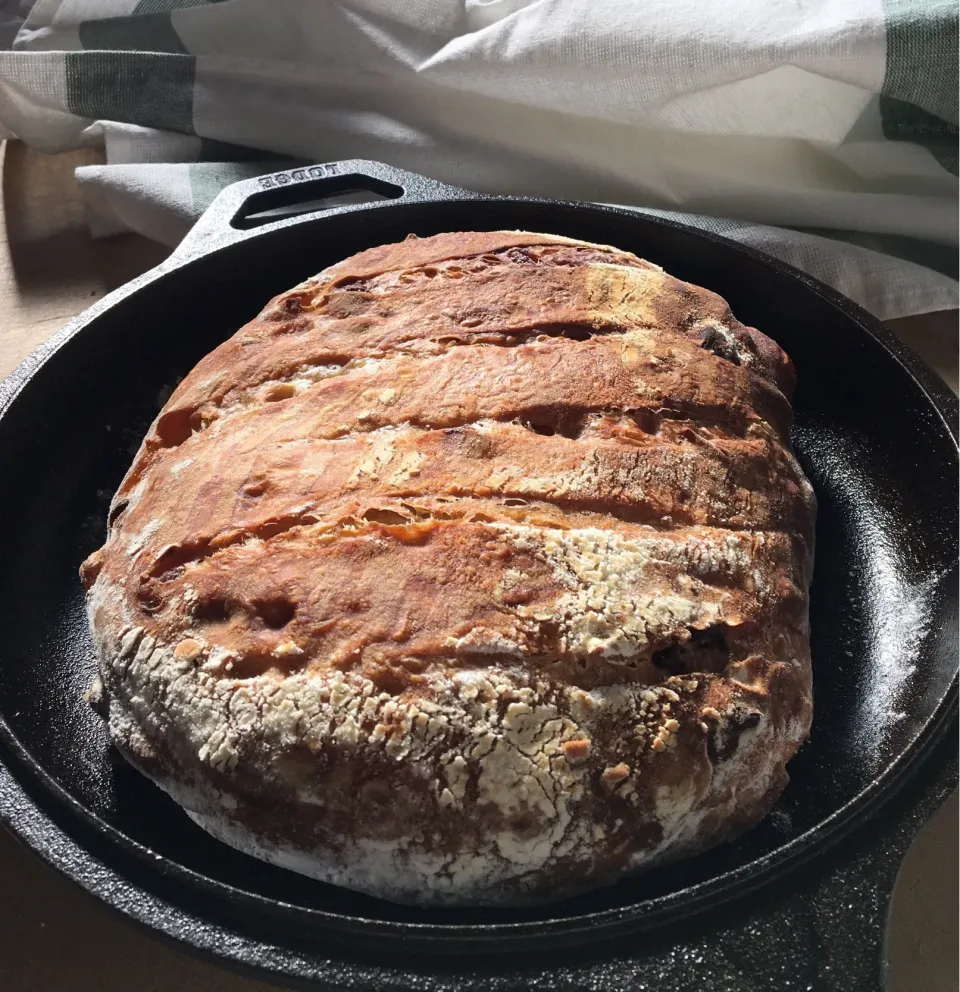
(473, 570)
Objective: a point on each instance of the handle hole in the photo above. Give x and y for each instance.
(302, 198)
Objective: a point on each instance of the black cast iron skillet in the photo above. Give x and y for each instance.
(798, 903)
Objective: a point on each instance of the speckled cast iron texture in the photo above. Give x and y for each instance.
(799, 903)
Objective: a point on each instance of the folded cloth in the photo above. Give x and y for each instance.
(750, 118)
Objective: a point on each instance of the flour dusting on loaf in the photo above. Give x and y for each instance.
(473, 570)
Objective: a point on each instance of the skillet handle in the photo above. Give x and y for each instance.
(825, 928)
(280, 199)
(834, 930)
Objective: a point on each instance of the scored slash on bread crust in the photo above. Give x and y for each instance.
(473, 570)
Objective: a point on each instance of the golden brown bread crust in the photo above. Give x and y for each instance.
(474, 569)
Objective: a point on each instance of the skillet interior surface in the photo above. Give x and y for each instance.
(884, 600)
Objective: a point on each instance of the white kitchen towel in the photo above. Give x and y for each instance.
(752, 117)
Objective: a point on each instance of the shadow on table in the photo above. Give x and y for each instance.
(50, 246)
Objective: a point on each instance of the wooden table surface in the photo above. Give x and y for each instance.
(55, 938)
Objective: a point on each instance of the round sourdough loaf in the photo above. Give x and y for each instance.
(473, 570)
